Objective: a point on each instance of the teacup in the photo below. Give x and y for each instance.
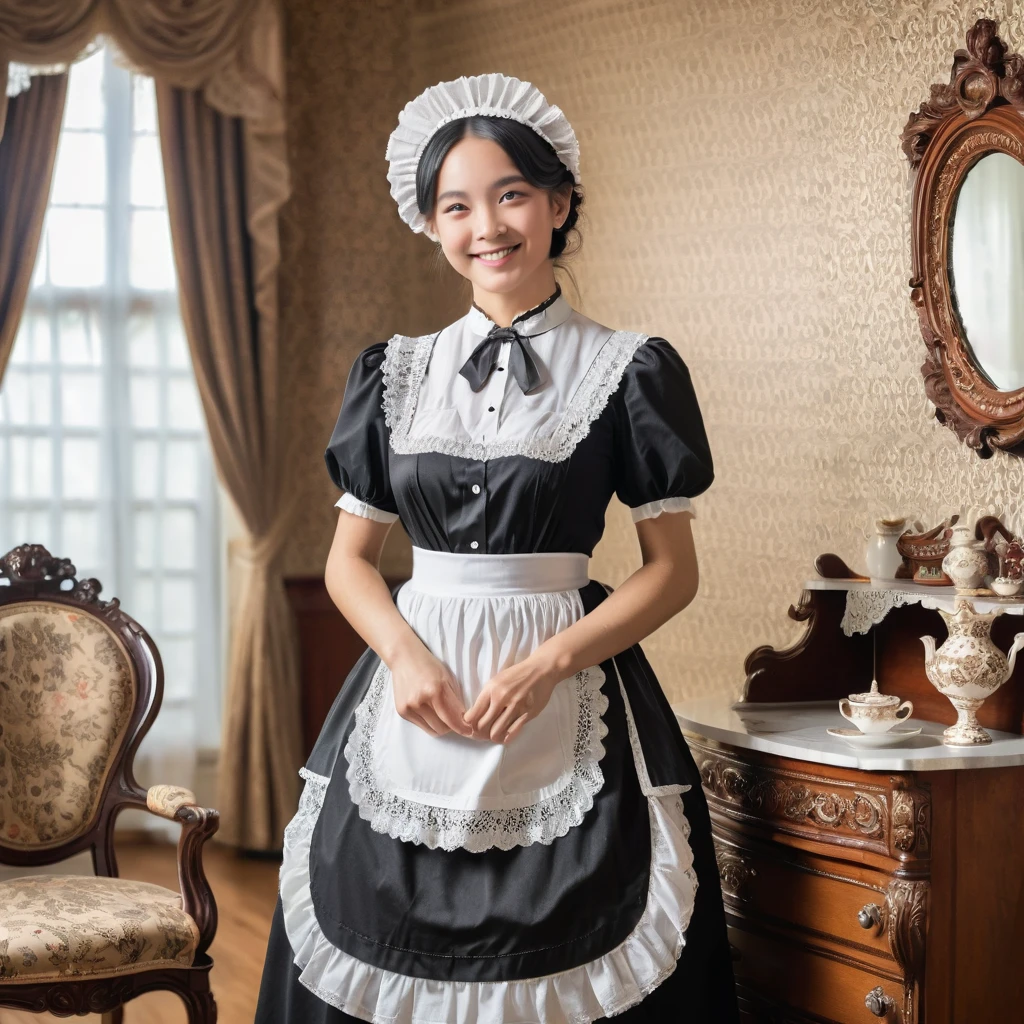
(874, 712)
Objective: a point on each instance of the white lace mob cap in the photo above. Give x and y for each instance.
(495, 95)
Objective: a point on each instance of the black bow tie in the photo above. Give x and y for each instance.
(483, 359)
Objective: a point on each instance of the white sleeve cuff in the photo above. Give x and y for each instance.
(350, 503)
(653, 509)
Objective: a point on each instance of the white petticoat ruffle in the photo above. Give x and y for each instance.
(601, 988)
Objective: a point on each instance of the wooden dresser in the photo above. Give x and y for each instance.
(881, 883)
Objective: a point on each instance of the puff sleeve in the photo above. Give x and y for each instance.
(662, 458)
(357, 454)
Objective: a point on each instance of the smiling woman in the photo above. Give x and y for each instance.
(498, 185)
(504, 201)
(501, 822)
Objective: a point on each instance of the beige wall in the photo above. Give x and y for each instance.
(746, 198)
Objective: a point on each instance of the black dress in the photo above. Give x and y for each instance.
(443, 880)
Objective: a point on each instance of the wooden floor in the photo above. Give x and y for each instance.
(246, 891)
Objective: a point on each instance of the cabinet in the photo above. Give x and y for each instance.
(861, 884)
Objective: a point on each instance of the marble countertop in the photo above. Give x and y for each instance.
(797, 731)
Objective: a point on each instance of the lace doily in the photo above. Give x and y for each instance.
(405, 362)
(866, 608)
(479, 830)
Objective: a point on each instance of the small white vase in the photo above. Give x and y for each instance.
(965, 564)
(881, 555)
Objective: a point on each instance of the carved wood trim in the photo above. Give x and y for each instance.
(829, 810)
(37, 573)
(809, 670)
(734, 871)
(978, 112)
(893, 819)
(906, 913)
(911, 819)
(80, 996)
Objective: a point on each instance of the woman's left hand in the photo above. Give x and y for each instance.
(512, 698)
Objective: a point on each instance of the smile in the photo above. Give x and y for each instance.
(496, 257)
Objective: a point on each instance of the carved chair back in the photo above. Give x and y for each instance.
(80, 684)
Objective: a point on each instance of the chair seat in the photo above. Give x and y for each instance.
(62, 927)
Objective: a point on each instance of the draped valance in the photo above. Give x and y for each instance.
(230, 49)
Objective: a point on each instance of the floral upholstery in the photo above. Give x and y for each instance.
(60, 927)
(67, 689)
(165, 800)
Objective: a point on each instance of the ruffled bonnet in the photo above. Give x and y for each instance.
(496, 95)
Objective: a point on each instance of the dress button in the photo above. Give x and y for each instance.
(490, 408)
(474, 544)
(476, 488)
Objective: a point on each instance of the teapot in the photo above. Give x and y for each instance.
(967, 668)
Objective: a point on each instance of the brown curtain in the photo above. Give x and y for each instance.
(28, 147)
(236, 352)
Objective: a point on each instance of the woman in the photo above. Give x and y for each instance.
(501, 822)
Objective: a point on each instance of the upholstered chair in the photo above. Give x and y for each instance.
(80, 684)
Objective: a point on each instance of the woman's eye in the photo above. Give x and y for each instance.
(451, 208)
(511, 192)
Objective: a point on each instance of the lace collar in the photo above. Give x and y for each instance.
(551, 313)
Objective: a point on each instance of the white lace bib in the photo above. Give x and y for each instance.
(582, 364)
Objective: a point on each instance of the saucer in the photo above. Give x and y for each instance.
(893, 738)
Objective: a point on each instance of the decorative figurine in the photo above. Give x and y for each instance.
(923, 553)
(1005, 554)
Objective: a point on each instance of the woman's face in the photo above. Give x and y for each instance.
(484, 207)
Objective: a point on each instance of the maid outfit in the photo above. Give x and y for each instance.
(569, 875)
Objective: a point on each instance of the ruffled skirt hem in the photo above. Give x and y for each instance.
(604, 987)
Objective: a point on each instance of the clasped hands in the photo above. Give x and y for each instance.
(427, 695)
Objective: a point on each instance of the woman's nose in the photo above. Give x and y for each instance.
(488, 225)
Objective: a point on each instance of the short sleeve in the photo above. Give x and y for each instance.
(662, 457)
(357, 454)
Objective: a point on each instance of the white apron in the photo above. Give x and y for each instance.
(479, 614)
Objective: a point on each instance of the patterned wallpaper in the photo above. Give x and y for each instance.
(747, 198)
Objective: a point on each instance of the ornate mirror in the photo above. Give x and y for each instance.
(966, 151)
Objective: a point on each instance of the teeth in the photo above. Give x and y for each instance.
(496, 255)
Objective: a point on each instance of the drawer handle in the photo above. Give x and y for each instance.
(870, 916)
(879, 1003)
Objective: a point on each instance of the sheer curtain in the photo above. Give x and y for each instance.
(104, 456)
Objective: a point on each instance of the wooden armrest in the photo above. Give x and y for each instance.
(197, 825)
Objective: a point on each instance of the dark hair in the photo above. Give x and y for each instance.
(533, 156)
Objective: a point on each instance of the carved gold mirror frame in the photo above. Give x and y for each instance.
(980, 111)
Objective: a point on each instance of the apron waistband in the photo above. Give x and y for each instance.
(462, 575)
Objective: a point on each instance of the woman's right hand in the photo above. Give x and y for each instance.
(426, 693)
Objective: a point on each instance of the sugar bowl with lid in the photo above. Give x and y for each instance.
(875, 712)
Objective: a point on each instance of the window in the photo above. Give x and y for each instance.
(104, 456)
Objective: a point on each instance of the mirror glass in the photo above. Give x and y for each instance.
(987, 267)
